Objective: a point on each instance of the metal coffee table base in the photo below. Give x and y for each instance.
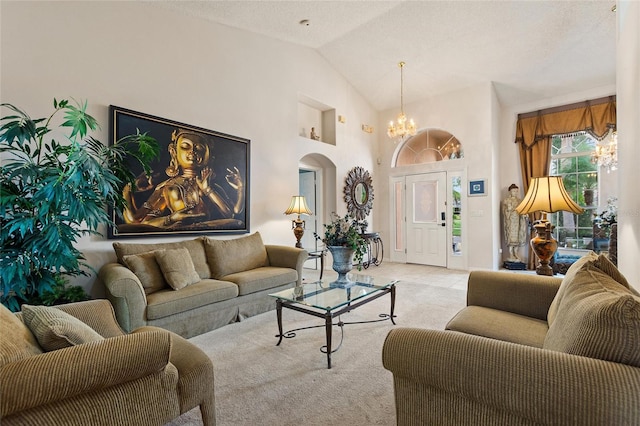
(329, 315)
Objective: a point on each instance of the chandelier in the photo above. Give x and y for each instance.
(402, 127)
(606, 154)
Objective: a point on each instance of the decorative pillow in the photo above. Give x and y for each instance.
(195, 247)
(16, 340)
(597, 317)
(177, 267)
(147, 270)
(56, 329)
(600, 262)
(237, 255)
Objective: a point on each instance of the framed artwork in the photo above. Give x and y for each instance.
(198, 185)
(477, 188)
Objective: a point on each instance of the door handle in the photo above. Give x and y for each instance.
(443, 217)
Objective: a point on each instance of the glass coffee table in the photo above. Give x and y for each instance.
(328, 300)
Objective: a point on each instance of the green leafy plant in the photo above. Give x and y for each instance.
(60, 292)
(345, 231)
(54, 192)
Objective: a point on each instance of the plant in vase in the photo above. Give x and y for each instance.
(53, 192)
(608, 216)
(608, 221)
(343, 239)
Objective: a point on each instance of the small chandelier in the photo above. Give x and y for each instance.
(402, 127)
(606, 154)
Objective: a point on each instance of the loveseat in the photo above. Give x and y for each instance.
(72, 365)
(194, 286)
(526, 350)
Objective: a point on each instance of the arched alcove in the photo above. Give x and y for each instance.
(322, 194)
(429, 146)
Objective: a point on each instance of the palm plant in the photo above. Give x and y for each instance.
(53, 193)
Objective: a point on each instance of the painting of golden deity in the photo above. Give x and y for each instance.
(199, 185)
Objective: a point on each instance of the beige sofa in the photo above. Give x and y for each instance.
(72, 365)
(194, 286)
(526, 350)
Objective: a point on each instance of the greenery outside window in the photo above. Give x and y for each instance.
(571, 159)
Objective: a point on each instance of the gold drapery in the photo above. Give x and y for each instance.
(534, 131)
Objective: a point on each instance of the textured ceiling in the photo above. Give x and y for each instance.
(528, 49)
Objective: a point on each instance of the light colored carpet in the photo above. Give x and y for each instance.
(259, 383)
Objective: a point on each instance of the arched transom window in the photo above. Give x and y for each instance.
(429, 146)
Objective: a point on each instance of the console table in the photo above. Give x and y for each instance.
(375, 249)
(319, 254)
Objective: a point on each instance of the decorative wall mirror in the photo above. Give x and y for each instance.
(358, 193)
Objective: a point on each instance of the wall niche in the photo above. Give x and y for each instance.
(313, 114)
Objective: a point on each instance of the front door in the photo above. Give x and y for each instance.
(426, 228)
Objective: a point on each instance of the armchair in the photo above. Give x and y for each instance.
(527, 350)
(148, 377)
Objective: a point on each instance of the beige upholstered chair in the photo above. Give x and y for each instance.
(527, 350)
(148, 377)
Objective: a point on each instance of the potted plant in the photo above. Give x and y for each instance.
(343, 239)
(56, 185)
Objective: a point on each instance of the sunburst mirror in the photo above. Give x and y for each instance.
(358, 193)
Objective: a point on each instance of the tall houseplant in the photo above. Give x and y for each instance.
(54, 191)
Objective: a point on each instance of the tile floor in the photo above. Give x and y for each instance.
(441, 277)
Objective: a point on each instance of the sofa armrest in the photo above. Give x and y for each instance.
(287, 257)
(56, 375)
(126, 294)
(523, 294)
(444, 377)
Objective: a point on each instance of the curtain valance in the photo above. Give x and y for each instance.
(596, 117)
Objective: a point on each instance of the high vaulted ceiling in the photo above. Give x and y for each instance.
(529, 49)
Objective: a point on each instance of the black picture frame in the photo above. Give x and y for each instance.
(171, 202)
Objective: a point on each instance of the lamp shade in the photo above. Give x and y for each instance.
(547, 194)
(298, 205)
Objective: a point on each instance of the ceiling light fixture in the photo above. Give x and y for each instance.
(401, 128)
(606, 154)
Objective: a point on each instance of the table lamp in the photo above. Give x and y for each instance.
(547, 195)
(299, 206)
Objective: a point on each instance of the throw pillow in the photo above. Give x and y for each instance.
(16, 340)
(237, 255)
(177, 267)
(56, 329)
(147, 270)
(195, 247)
(597, 317)
(600, 262)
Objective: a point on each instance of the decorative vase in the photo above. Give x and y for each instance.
(342, 263)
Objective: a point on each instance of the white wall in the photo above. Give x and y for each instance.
(466, 114)
(182, 68)
(628, 88)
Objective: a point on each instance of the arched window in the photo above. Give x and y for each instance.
(429, 146)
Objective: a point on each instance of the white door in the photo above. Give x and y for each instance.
(426, 228)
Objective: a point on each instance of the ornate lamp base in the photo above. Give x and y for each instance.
(298, 230)
(544, 246)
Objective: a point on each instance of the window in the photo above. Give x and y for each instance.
(571, 159)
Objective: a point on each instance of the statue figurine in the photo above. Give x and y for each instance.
(313, 134)
(515, 227)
